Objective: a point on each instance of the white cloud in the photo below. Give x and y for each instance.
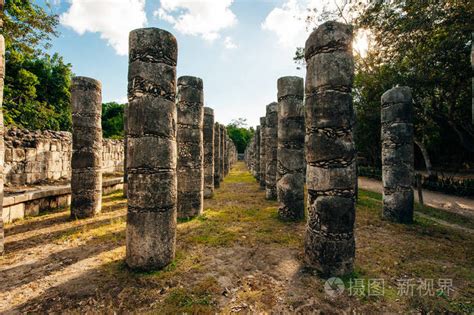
(289, 23)
(229, 43)
(205, 18)
(113, 19)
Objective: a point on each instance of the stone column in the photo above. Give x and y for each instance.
(291, 134)
(2, 148)
(271, 143)
(226, 153)
(330, 151)
(190, 147)
(208, 135)
(125, 128)
(217, 155)
(223, 142)
(397, 155)
(262, 161)
(151, 149)
(86, 161)
(257, 153)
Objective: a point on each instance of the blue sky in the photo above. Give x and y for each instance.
(239, 48)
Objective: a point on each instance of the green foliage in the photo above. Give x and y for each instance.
(241, 135)
(36, 94)
(27, 27)
(112, 120)
(424, 45)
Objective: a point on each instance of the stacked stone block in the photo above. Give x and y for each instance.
(271, 144)
(125, 128)
(223, 150)
(86, 161)
(151, 149)
(262, 162)
(226, 153)
(217, 155)
(257, 153)
(44, 156)
(330, 152)
(208, 136)
(190, 147)
(397, 154)
(291, 135)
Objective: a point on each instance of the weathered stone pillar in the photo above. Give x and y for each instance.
(397, 154)
(208, 136)
(125, 128)
(2, 148)
(151, 149)
(86, 161)
(217, 155)
(291, 134)
(330, 151)
(257, 153)
(223, 150)
(262, 161)
(271, 144)
(226, 153)
(190, 147)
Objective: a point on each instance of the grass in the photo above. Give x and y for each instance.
(239, 219)
(373, 200)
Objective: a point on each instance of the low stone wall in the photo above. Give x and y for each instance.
(32, 202)
(34, 157)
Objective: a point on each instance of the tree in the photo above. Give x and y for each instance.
(239, 134)
(426, 46)
(36, 94)
(112, 120)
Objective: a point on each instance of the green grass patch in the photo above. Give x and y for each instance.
(372, 201)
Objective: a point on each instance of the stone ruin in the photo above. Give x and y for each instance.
(217, 155)
(44, 156)
(317, 146)
(330, 151)
(176, 153)
(86, 161)
(262, 161)
(151, 149)
(190, 108)
(291, 161)
(271, 146)
(397, 155)
(208, 138)
(257, 153)
(223, 150)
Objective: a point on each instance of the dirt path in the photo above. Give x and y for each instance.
(236, 258)
(460, 205)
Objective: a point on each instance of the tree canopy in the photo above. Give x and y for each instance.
(240, 134)
(112, 120)
(424, 45)
(36, 92)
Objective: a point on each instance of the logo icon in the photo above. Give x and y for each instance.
(334, 287)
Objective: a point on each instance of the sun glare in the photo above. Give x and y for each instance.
(361, 43)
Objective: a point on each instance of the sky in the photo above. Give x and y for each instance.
(238, 47)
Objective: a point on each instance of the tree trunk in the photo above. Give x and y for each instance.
(426, 157)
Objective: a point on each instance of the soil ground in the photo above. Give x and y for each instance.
(237, 257)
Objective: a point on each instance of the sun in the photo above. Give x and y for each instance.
(361, 42)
